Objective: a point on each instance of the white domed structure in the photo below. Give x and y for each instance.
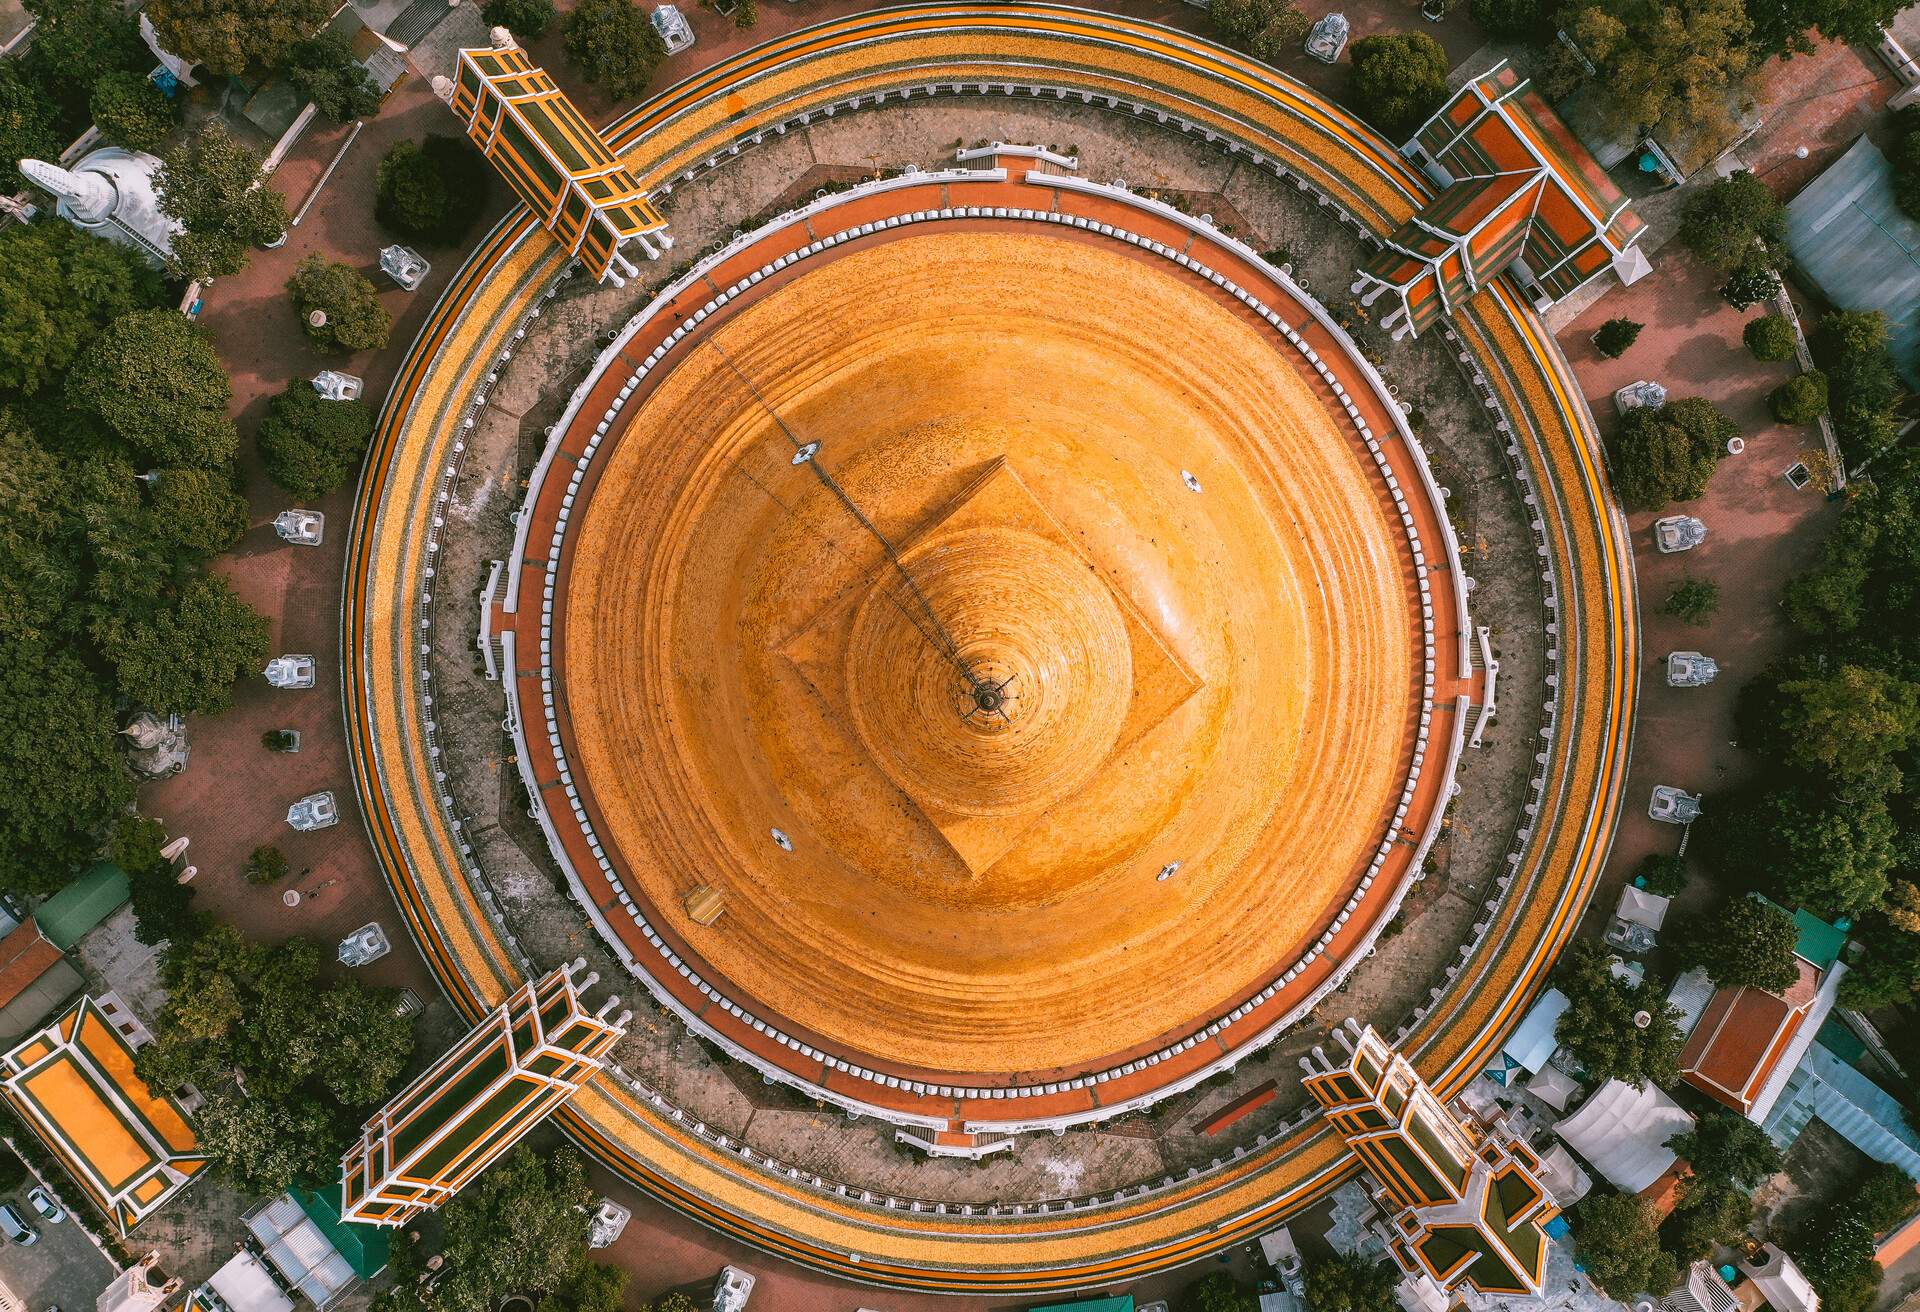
(109, 193)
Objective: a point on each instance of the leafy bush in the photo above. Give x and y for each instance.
(1668, 454)
(266, 865)
(1216, 1292)
(1615, 1237)
(431, 191)
(1397, 81)
(1267, 29)
(199, 510)
(1615, 336)
(615, 45)
(1770, 337)
(208, 183)
(1692, 600)
(1801, 399)
(130, 111)
(311, 445)
(1723, 220)
(1598, 1026)
(355, 319)
(526, 19)
(1744, 943)
(1751, 282)
(1350, 1283)
(27, 128)
(153, 379)
(1664, 876)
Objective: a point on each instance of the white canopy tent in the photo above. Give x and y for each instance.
(1623, 1131)
(244, 1285)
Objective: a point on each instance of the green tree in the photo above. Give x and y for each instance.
(311, 445)
(1350, 1283)
(1887, 974)
(1522, 19)
(1770, 337)
(153, 379)
(431, 191)
(1269, 30)
(1666, 66)
(593, 1287)
(1850, 347)
(230, 36)
(1801, 399)
(1884, 1196)
(58, 770)
(162, 905)
(1217, 1291)
(1743, 942)
(187, 657)
(615, 45)
(1726, 1148)
(1615, 1236)
(324, 70)
(1668, 454)
(1615, 336)
(1752, 281)
(526, 19)
(1710, 1213)
(266, 865)
(521, 1225)
(354, 318)
(1829, 851)
(211, 183)
(1397, 81)
(1781, 27)
(198, 510)
(1850, 721)
(263, 1145)
(1663, 875)
(1599, 1026)
(27, 128)
(1723, 220)
(77, 42)
(59, 287)
(1692, 600)
(130, 111)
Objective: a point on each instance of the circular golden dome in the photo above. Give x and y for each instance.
(990, 675)
(1219, 682)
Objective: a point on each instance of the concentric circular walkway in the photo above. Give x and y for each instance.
(1274, 124)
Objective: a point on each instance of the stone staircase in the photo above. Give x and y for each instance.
(416, 20)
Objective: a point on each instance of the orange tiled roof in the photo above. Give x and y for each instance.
(1741, 1037)
(25, 955)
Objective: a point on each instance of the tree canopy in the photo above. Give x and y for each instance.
(526, 19)
(354, 318)
(186, 657)
(522, 1225)
(313, 1055)
(615, 44)
(27, 128)
(1617, 1240)
(1668, 454)
(1397, 81)
(131, 112)
(1721, 222)
(207, 183)
(1850, 347)
(77, 43)
(323, 68)
(1267, 29)
(1781, 27)
(1728, 1148)
(431, 191)
(198, 509)
(1350, 1283)
(153, 379)
(1598, 1026)
(1743, 942)
(312, 445)
(1664, 65)
(1809, 845)
(59, 287)
(229, 36)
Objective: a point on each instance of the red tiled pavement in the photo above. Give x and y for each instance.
(1820, 103)
(1760, 530)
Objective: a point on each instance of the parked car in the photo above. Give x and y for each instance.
(15, 1227)
(42, 1202)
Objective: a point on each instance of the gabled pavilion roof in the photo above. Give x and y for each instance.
(1517, 187)
(74, 1083)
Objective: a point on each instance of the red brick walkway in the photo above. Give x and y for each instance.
(1761, 532)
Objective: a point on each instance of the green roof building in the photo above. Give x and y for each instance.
(507, 1075)
(81, 905)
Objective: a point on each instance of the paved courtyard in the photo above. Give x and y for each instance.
(63, 1269)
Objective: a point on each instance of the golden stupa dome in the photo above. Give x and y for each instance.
(1075, 665)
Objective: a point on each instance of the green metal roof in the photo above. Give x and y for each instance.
(364, 1246)
(1123, 1303)
(81, 905)
(1820, 943)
